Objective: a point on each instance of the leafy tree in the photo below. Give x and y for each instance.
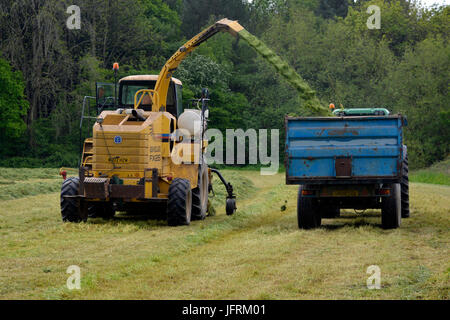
(196, 13)
(423, 96)
(403, 66)
(13, 107)
(400, 23)
(334, 8)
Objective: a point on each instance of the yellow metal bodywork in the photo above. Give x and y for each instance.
(126, 148)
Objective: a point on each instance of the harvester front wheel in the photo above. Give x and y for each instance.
(200, 195)
(69, 206)
(179, 204)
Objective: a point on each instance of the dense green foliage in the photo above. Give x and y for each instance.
(13, 106)
(46, 69)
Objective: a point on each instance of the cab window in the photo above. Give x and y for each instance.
(179, 97)
(128, 90)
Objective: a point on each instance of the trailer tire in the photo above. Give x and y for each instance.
(200, 194)
(405, 189)
(391, 216)
(70, 211)
(179, 204)
(308, 215)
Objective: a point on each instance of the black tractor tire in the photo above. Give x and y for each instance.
(200, 194)
(308, 215)
(179, 204)
(391, 207)
(330, 211)
(405, 189)
(70, 211)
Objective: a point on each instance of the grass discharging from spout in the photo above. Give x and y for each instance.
(294, 79)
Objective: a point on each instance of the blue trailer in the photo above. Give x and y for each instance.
(349, 161)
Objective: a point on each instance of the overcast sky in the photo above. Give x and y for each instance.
(428, 3)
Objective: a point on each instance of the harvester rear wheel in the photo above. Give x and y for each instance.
(200, 195)
(179, 204)
(308, 216)
(391, 215)
(69, 206)
(405, 189)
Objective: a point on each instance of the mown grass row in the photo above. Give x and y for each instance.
(44, 223)
(259, 253)
(19, 183)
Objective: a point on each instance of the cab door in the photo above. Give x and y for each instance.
(179, 99)
(104, 96)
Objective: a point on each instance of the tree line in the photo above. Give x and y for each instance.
(46, 69)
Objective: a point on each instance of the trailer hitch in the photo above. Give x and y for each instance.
(230, 206)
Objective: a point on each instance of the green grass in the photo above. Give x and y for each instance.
(258, 253)
(438, 173)
(19, 183)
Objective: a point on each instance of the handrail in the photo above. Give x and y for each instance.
(154, 97)
(86, 98)
(87, 158)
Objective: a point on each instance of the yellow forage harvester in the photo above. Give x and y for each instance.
(146, 153)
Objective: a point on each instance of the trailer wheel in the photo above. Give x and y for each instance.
(391, 216)
(308, 215)
(405, 189)
(70, 207)
(200, 195)
(179, 204)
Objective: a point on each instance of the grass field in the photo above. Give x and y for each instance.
(259, 253)
(439, 173)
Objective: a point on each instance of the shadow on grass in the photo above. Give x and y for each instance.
(141, 216)
(355, 225)
(370, 214)
(141, 221)
(354, 220)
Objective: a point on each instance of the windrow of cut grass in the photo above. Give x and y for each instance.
(258, 253)
(19, 183)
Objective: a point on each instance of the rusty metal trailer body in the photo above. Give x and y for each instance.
(354, 162)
